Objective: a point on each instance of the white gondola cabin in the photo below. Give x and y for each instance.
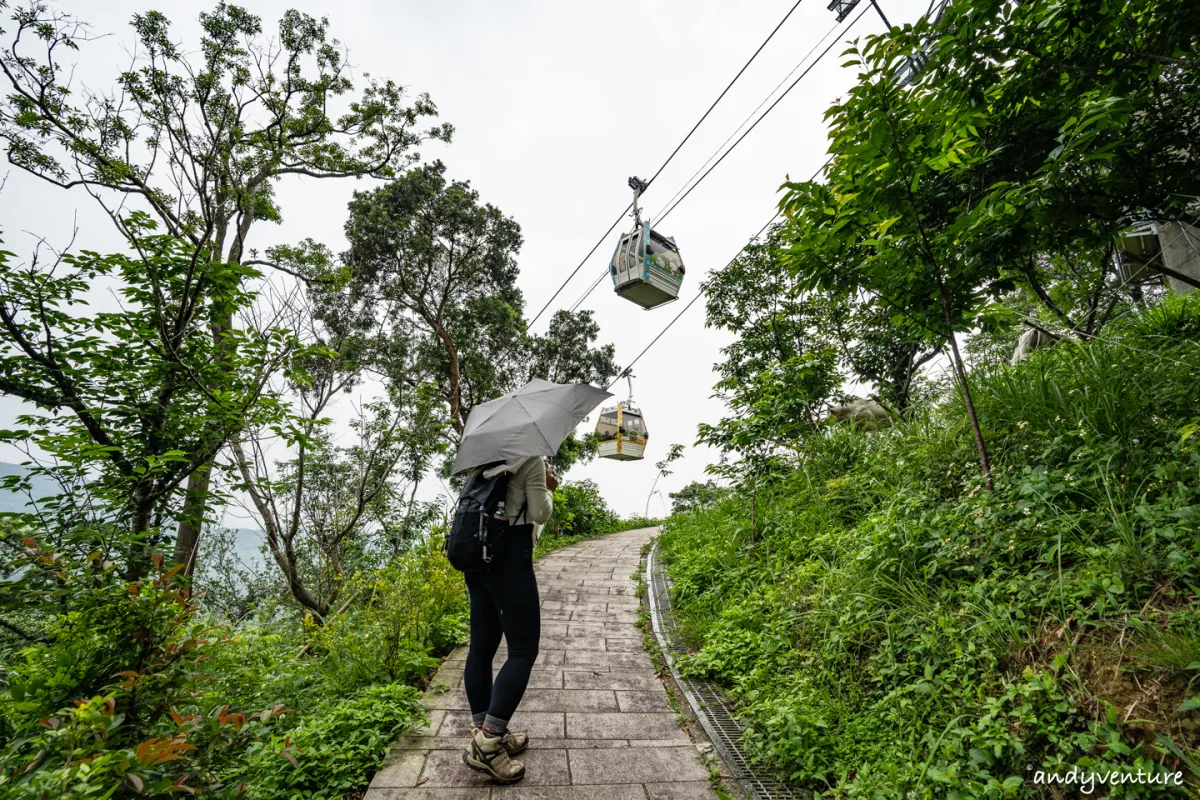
(622, 432)
(646, 267)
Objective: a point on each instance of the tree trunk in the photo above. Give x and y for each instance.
(985, 463)
(195, 504)
(139, 552)
(278, 541)
(1047, 301)
(960, 372)
(196, 497)
(754, 503)
(455, 397)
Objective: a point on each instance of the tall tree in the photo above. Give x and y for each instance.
(425, 301)
(327, 509)
(129, 402)
(867, 230)
(775, 321)
(199, 137)
(1036, 133)
(696, 495)
(443, 268)
(323, 507)
(565, 353)
(1090, 119)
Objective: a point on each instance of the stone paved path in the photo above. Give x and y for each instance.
(599, 724)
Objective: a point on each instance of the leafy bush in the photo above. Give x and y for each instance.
(336, 749)
(111, 696)
(696, 495)
(405, 614)
(890, 628)
(581, 513)
(580, 510)
(129, 690)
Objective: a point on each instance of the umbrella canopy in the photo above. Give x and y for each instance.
(532, 421)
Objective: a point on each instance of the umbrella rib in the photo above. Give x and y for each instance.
(533, 422)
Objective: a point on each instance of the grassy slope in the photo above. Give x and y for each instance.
(891, 627)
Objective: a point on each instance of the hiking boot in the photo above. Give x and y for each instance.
(488, 755)
(513, 742)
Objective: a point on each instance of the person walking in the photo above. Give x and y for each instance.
(505, 602)
(493, 548)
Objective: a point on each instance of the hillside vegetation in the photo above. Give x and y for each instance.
(890, 627)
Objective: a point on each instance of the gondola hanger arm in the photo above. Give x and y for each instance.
(638, 185)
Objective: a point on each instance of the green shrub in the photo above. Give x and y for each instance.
(112, 700)
(402, 617)
(696, 495)
(580, 510)
(130, 690)
(335, 749)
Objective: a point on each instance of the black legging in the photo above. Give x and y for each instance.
(504, 600)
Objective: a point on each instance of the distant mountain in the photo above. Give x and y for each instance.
(246, 542)
(16, 502)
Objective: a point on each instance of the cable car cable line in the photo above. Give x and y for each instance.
(749, 116)
(675, 203)
(668, 161)
(940, 7)
(611, 228)
(666, 213)
(692, 302)
(591, 289)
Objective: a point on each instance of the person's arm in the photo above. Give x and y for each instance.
(538, 497)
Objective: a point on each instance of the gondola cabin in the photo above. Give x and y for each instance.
(622, 433)
(647, 268)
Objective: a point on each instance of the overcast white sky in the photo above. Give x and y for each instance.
(555, 105)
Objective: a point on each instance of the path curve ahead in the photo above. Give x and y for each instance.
(599, 723)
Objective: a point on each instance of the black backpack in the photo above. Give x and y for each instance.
(480, 529)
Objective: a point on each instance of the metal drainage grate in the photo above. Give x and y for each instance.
(712, 707)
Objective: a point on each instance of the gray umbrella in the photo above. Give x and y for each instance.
(532, 421)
